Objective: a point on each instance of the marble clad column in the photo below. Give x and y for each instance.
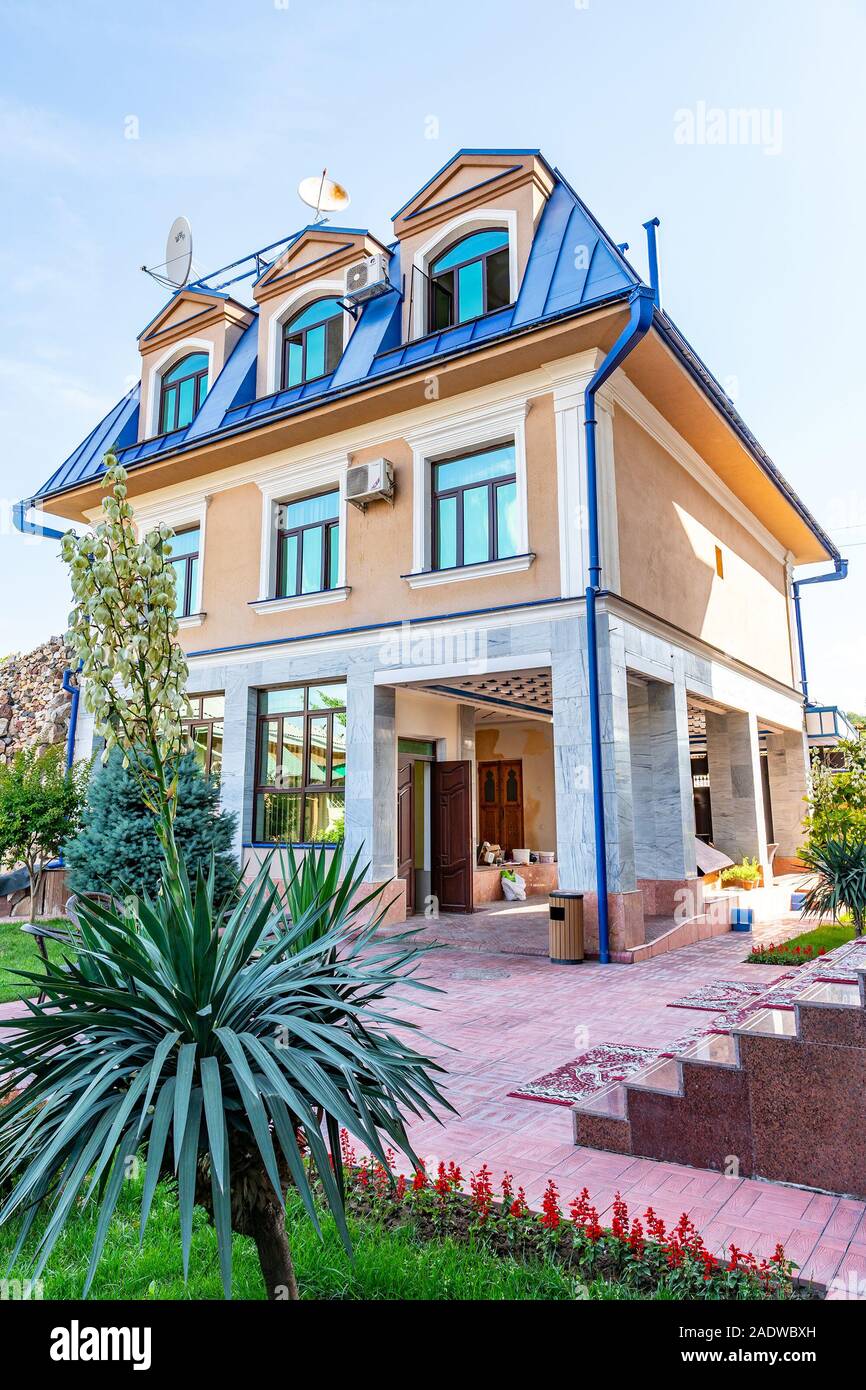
(575, 825)
(371, 774)
(661, 782)
(735, 785)
(786, 764)
(238, 770)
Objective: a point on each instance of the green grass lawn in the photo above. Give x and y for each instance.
(18, 951)
(388, 1265)
(823, 938)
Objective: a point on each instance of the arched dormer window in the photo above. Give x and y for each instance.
(183, 389)
(471, 278)
(312, 343)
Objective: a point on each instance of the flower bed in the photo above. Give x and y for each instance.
(637, 1252)
(799, 950)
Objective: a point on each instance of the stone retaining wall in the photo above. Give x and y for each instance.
(34, 708)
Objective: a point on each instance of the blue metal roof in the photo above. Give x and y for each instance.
(119, 427)
(573, 265)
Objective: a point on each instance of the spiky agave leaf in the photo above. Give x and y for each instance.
(838, 865)
(191, 1035)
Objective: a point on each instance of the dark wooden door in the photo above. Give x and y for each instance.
(451, 833)
(500, 803)
(406, 828)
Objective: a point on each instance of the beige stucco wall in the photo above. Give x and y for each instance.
(430, 717)
(378, 552)
(532, 741)
(669, 526)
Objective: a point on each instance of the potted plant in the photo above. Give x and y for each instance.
(747, 874)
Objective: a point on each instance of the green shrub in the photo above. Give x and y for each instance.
(837, 799)
(117, 849)
(748, 871)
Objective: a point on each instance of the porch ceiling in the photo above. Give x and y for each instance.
(497, 694)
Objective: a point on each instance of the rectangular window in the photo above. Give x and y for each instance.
(301, 764)
(720, 563)
(308, 545)
(475, 508)
(204, 732)
(185, 562)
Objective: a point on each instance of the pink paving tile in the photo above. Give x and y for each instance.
(849, 1279)
(824, 1261)
(780, 1202)
(820, 1209)
(844, 1220)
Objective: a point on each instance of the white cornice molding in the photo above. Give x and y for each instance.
(624, 393)
(286, 605)
(485, 569)
(467, 426)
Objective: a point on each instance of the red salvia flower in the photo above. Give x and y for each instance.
(551, 1216)
(481, 1187)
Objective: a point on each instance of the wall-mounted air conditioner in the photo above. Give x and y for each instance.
(370, 482)
(368, 279)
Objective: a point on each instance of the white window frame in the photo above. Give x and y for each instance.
(164, 364)
(467, 433)
(286, 309)
(477, 220)
(181, 515)
(291, 484)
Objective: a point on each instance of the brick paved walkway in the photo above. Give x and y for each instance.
(509, 1018)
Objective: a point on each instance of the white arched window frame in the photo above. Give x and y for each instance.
(286, 310)
(478, 220)
(163, 364)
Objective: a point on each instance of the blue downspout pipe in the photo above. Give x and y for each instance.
(75, 692)
(35, 528)
(642, 305)
(653, 257)
(840, 572)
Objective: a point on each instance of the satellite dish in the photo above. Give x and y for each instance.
(178, 253)
(323, 194)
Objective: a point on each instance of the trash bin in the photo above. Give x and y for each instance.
(565, 941)
(742, 918)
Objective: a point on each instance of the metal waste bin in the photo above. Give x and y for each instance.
(565, 940)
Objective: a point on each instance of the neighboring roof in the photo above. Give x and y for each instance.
(556, 284)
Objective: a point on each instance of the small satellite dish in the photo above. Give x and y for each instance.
(323, 194)
(178, 252)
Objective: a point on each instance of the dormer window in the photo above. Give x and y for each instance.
(312, 343)
(470, 279)
(184, 388)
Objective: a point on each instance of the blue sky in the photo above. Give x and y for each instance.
(234, 102)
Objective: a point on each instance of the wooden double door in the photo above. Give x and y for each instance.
(451, 848)
(500, 803)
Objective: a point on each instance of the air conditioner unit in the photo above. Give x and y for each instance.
(370, 482)
(368, 279)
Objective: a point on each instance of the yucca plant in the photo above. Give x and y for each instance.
(319, 877)
(216, 1043)
(838, 866)
(208, 1046)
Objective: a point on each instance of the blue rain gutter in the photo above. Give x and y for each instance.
(32, 528)
(642, 305)
(840, 572)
